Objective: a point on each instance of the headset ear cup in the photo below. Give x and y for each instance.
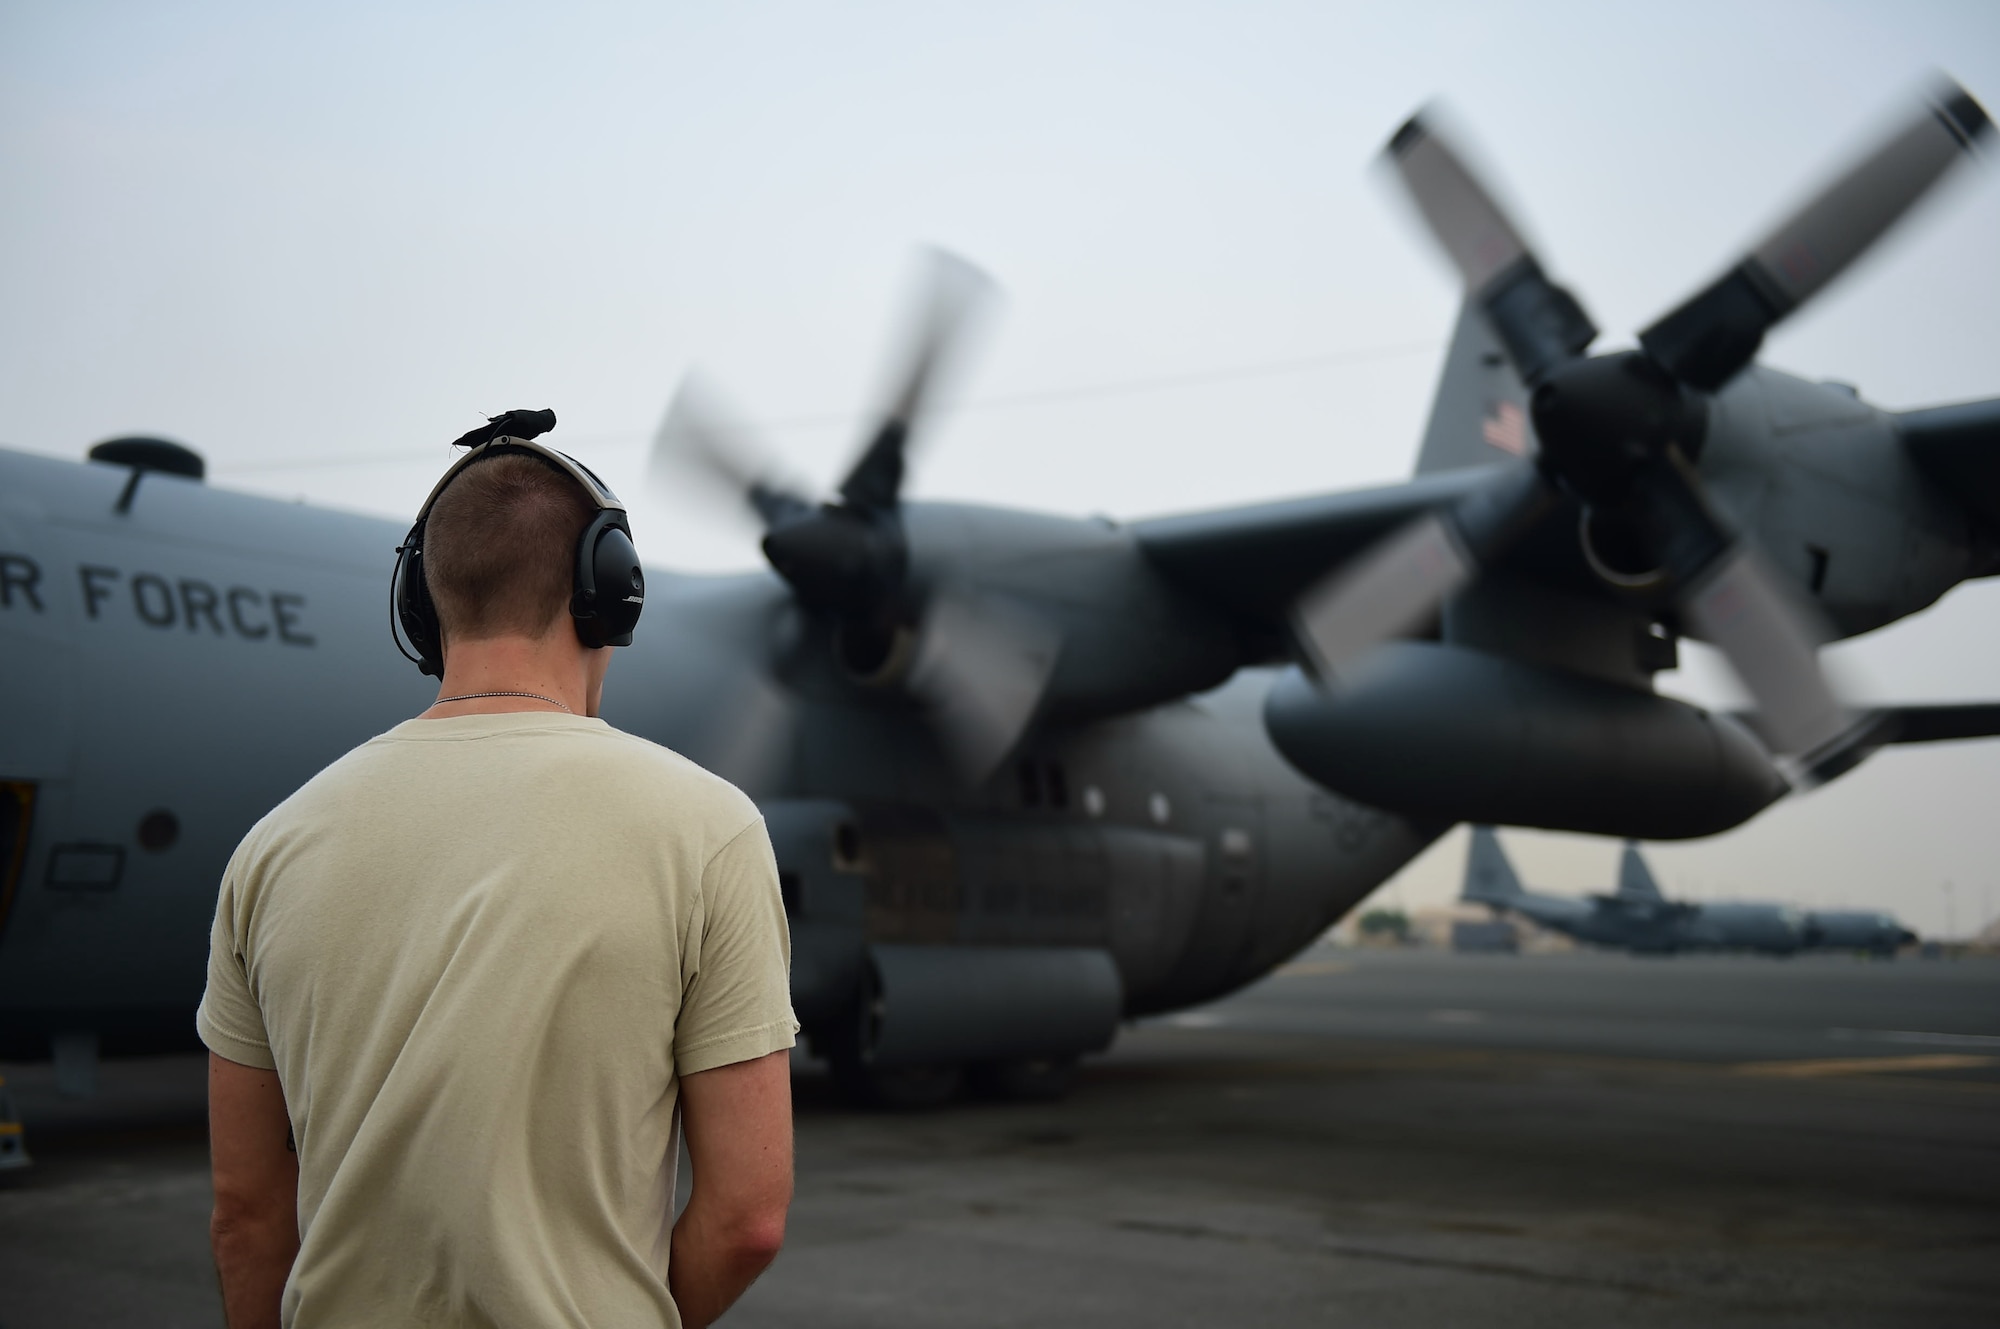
(415, 611)
(610, 586)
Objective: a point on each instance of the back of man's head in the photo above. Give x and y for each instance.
(500, 548)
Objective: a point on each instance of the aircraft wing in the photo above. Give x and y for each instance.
(1933, 723)
(1938, 724)
(1253, 562)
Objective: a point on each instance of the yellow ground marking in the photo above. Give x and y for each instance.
(1809, 1069)
(1308, 968)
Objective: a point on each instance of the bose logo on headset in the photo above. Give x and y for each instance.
(608, 589)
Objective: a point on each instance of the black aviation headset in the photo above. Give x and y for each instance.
(608, 589)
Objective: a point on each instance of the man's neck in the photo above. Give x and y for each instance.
(502, 674)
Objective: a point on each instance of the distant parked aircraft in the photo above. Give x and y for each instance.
(1636, 917)
(1856, 930)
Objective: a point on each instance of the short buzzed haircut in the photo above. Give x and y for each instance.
(500, 548)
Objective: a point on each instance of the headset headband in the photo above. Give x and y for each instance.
(600, 493)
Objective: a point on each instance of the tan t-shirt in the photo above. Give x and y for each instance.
(480, 952)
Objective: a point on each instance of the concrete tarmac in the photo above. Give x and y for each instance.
(1366, 1137)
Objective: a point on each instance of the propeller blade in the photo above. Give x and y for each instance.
(980, 667)
(956, 293)
(700, 437)
(1742, 608)
(1707, 340)
(1730, 597)
(1394, 586)
(1541, 324)
(1383, 594)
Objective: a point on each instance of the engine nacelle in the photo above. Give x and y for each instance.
(1434, 731)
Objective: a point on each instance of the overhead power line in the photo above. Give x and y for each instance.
(1130, 387)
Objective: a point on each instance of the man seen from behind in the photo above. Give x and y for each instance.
(479, 972)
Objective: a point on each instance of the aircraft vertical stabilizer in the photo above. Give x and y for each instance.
(1635, 879)
(1488, 874)
(1479, 414)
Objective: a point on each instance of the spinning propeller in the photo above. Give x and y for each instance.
(1621, 432)
(978, 664)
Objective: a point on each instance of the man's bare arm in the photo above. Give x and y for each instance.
(738, 1122)
(255, 1225)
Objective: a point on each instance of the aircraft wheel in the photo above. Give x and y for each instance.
(1027, 1080)
(900, 1088)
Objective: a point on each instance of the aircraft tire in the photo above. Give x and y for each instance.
(1027, 1080)
(896, 1088)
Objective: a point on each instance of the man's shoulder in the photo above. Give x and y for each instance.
(358, 767)
(661, 774)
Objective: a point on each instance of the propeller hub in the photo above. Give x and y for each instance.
(1605, 421)
(839, 559)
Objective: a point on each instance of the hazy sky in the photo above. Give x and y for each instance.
(317, 245)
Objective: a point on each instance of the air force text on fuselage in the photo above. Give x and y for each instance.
(157, 599)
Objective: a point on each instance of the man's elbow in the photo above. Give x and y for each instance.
(242, 1223)
(755, 1239)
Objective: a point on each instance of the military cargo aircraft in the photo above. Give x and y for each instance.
(1027, 775)
(1636, 917)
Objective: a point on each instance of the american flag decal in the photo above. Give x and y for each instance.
(1506, 428)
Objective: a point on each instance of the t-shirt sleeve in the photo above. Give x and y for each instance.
(737, 1001)
(228, 1019)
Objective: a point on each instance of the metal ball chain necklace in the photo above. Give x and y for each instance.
(475, 696)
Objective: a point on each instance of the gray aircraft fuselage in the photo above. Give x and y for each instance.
(194, 659)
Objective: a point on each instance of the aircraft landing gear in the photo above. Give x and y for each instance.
(848, 1047)
(914, 1088)
(1027, 1080)
(899, 1088)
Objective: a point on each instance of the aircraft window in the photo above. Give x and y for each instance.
(1093, 800)
(1058, 786)
(1235, 844)
(788, 891)
(85, 867)
(1817, 582)
(1159, 809)
(159, 830)
(847, 847)
(1031, 784)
